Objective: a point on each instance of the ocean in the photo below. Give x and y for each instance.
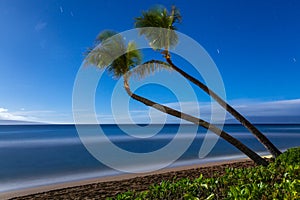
(37, 155)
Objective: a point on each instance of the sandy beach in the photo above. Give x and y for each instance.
(109, 186)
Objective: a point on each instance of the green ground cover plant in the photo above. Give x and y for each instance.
(279, 180)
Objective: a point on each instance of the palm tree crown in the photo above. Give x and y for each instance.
(159, 17)
(112, 53)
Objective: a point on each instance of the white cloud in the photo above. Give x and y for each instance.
(42, 116)
(270, 108)
(3, 110)
(46, 116)
(281, 111)
(5, 115)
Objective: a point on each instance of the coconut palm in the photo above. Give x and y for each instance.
(125, 61)
(166, 38)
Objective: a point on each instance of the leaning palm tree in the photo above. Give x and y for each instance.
(165, 38)
(125, 61)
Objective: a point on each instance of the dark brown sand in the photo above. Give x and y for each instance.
(103, 189)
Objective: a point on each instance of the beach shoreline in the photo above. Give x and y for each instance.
(111, 185)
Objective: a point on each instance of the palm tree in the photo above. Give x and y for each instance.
(125, 61)
(166, 38)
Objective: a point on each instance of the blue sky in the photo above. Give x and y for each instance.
(255, 45)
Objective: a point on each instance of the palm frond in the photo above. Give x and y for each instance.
(113, 54)
(104, 35)
(159, 17)
(111, 47)
(134, 56)
(148, 68)
(176, 16)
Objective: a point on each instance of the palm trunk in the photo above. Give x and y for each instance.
(236, 143)
(260, 136)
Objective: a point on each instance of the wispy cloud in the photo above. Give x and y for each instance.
(286, 111)
(271, 108)
(6, 115)
(42, 116)
(40, 26)
(151, 115)
(283, 111)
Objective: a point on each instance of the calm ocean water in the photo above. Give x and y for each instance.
(35, 155)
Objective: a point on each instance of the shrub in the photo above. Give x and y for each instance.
(289, 157)
(279, 180)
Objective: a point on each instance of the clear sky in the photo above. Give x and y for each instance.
(255, 45)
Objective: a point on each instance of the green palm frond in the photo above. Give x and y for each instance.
(159, 17)
(113, 54)
(175, 16)
(134, 55)
(104, 35)
(148, 68)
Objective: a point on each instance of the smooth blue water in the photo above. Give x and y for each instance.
(35, 155)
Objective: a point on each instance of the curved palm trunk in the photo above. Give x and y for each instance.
(236, 143)
(260, 136)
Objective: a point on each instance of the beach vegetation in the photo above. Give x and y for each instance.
(279, 180)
